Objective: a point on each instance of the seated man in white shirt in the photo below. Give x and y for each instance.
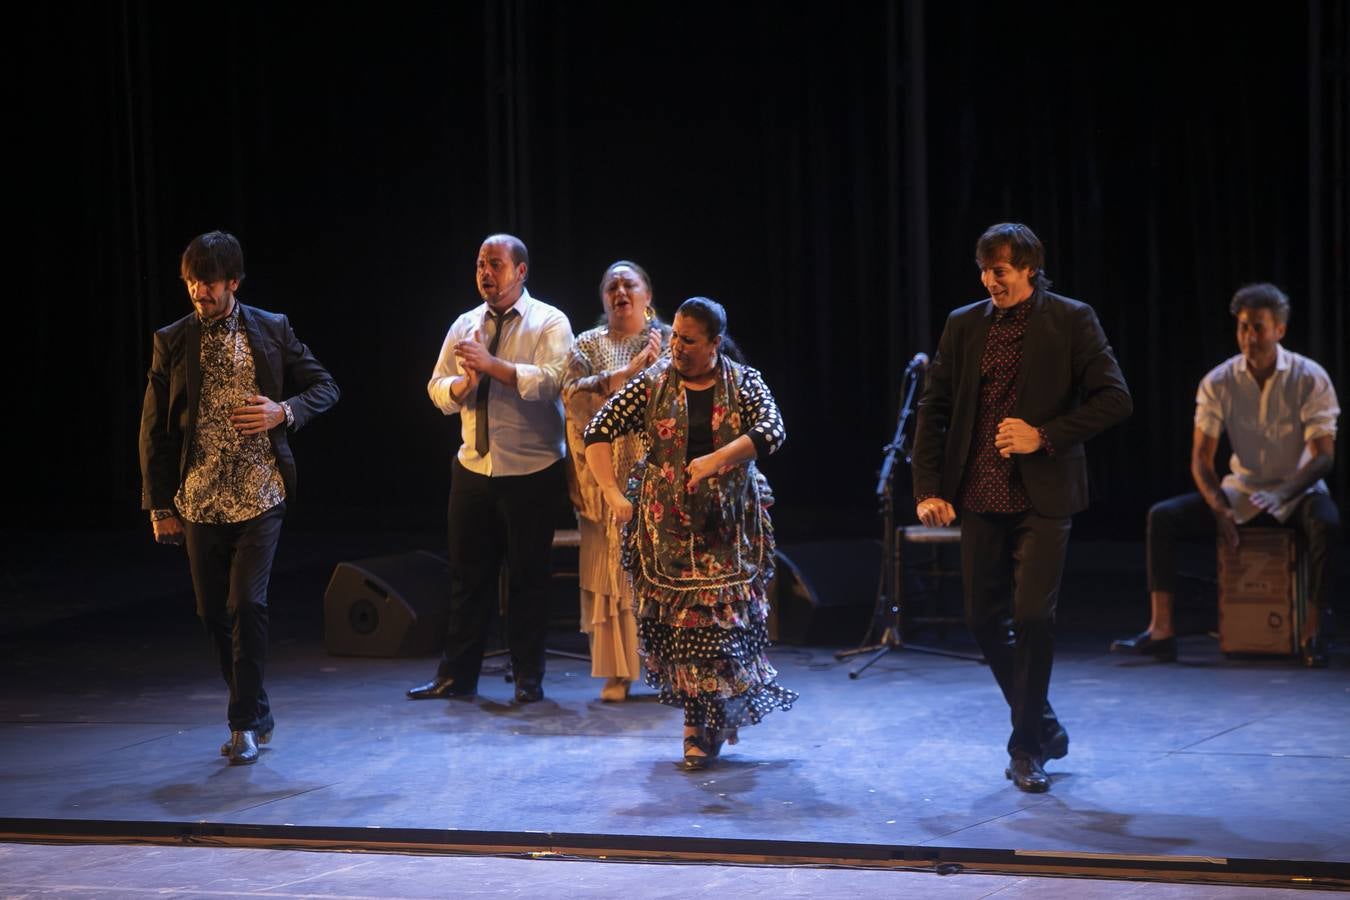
(1279, 410)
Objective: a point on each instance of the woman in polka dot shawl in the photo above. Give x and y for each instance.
(697, 540)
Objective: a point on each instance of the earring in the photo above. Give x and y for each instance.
(648, 314)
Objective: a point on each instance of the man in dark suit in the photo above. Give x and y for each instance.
(216, 465)
(1018, 383)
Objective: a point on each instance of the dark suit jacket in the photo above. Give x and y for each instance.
(1069, 384)
(169, 414)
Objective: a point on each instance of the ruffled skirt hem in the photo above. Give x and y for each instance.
(720, 677)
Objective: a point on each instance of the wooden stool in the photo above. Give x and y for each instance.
(934, 538)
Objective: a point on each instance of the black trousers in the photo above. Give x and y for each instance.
(1188, 518)
(493, 519)
(1011, 567)
(231, 566)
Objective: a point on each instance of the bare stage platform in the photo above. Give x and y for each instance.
(1215, 770)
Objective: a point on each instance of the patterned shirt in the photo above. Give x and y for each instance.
(230, 477)
(993, 483)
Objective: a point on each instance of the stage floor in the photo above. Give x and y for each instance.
(1210, 758)
(121, 871)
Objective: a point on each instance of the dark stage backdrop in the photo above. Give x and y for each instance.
(823, 171)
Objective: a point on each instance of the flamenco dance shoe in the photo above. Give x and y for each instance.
(439, 688)
(615, 690)
(529, 690)
(1028, 774)
(264, 737)
(1143, 644)
(695, 761)
(1056, 746)
(243, 748)
(718, 737)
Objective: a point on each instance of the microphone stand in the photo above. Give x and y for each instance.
(889, 579)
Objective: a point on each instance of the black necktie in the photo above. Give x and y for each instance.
(480, 403)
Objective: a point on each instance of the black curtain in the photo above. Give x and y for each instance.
(823, 171)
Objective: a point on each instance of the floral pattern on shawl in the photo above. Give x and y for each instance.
(700, 557)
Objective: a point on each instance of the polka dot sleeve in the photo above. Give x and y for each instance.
(621, 414)
(764, 422)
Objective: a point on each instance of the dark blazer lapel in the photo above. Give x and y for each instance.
(979, 336)
(981, 333)
(192, 360)
(1037, 343)
(268, 384)
(966, 397)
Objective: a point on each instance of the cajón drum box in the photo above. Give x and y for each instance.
(1262, 598)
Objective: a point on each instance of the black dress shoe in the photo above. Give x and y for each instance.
(1056, 746)
(264, 737)
(1164, 650)
(243, 748)
(439, 688)
(529, 691)
(1028, 775)
(1314, 653)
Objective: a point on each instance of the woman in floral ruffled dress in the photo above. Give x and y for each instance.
(698, 541)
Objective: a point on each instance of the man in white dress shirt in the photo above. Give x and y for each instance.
(500, 369)
(1279, 411)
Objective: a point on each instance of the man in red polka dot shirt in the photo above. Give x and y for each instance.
(1019, 382)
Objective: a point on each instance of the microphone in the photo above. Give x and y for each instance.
(920, 361)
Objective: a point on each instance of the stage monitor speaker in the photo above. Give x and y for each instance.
(387, 606)
(823, 592)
